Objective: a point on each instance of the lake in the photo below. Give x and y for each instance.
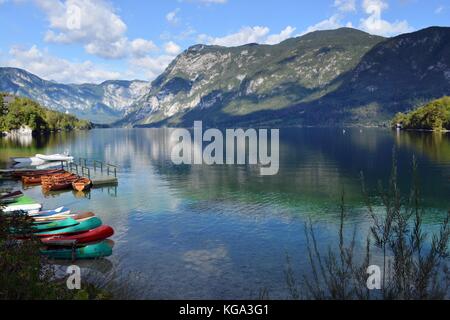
(224, 232)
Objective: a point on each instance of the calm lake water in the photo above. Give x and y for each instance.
(223, 232)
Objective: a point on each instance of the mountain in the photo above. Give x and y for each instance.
(397, 75)
(342, 76)
(102, 103)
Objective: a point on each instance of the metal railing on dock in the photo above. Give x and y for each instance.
(99, 172)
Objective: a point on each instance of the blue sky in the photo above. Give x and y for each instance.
(75, 41)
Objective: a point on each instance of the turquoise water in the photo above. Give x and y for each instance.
(223, 232)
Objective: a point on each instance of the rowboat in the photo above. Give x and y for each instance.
(84, 226)
(54, 157)
(56, 176)
(94, 235)
(61, 211)
(23, 203)
(80, 217)
(20, 173)
(58, 185)
(37, 177)
(31, 180)
(92, 251)
(55, 225)
(82, 184)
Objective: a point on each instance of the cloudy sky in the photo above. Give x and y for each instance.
(76, 41)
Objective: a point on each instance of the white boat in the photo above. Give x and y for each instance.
(54, 157)
(61, 211)
(24, 203)
(32, 161)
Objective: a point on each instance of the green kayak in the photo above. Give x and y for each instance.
(81, 227)
(56, 225)
(93, 251)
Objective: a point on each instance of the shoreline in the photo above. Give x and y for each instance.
(423, 130)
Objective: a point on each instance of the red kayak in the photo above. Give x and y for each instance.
(94, 235)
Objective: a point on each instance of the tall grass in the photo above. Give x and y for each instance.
(414, 262)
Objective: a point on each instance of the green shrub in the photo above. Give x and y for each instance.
(433, 116)
(24, 111)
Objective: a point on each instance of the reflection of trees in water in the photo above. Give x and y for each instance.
(434, 145)
(25, 146)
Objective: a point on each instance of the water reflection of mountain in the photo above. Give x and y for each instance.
(315, 166)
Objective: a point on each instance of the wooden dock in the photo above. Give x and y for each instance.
(99, 172)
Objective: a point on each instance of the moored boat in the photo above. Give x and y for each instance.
(94, 235)
(82, 184)
(78, 216)
(69, 222)
(84, 226)
(37, 177)
(58, 182)
(24, 203)
(54, 157)
(61, 211)
(92, 251)
(30, 161)
(19, 173)
(58, 185)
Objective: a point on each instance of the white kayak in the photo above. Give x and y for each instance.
(61, 211)
(54, 157)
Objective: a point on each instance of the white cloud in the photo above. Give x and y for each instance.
(256, 34)
(345, 5)
(246, 35)
(92, 23)
(172, 16)
(283, 35)
(333, 22)
(50, 67)
(172, 48)
(375, 24)
(140, 47)
(150, 67)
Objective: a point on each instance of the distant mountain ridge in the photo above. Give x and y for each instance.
(324, 78)
(102, 103)
(336, 77)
